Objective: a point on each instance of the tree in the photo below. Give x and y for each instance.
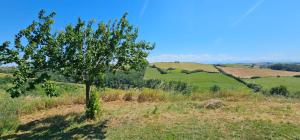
(29, 53)
(83, 52)
(86, 54)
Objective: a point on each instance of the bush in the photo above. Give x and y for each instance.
(297, 76)
(215, 89)
(93, 107)
(125, 80)
(9, 118)
(177, 86)
(281, 90)
(50, 89)
(255, 77)
(191, 72)
(255, 87)
(152, 83)
(185, 71)
(169, 69)
(162, 71)
(153, 66)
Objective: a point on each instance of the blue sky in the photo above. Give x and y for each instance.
(205, 31)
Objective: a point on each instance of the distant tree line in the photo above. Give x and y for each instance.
(286, 67)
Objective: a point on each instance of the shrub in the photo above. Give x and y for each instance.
(191, 72)
(50, 89)
(93, 107)
(255, 87)
(215, 89)
(185, 71)
(196, 71)
(176, 62)
(255, 77)
(125, 80)
(153, 66)
(297, 76)
(9, 118)
(281, 90)
(177, 86)
(169, 69)
(152, 83)
(162, 71)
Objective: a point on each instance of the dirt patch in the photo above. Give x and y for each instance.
(252, 72)
(61, 110)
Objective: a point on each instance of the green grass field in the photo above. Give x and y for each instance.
(292, 83)
(204, 81)
(161, 115)
(186, 66)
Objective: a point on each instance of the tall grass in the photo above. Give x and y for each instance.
(9, 115)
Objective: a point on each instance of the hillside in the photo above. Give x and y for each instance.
(203, 80)
(186, 66)
(234, 112)
(244, 72)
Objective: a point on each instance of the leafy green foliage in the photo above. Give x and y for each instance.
(191, 72)
(287, 67)
(93, 107)
(281, 90)
(215, 88)
(50, 89)
(125, 80)
(81, 52)
(255, 87)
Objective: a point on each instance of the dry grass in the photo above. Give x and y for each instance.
(245, 117)
(186, 66)
(243, 72)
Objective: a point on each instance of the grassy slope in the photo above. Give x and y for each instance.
(186, 66)
(202, 80)
(248, 117)
(292, 83)
(244, 116)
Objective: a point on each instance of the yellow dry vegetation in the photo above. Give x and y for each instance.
(243, 72)
(186, 66)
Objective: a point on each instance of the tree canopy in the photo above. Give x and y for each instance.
(83, 51)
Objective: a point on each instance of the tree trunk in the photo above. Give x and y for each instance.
(87, 93)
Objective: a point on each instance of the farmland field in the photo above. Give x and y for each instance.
(243, 72)
(203, 80)
(292, 83)
(187, 66)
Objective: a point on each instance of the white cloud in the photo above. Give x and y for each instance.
(144, 8)
(248, 12)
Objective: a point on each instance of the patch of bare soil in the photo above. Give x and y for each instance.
(61, 110)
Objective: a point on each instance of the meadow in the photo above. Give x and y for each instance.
(203, 81)
(233, 112)
(292, 83)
